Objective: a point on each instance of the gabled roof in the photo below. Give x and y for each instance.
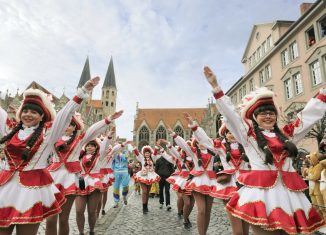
(255, 27)
(169, 116)
(110, 76)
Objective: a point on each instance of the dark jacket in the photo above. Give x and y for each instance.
(164, 168)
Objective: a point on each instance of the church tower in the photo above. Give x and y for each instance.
(85, 76)
(109, 91)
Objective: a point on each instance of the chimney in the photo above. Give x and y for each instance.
(304, 7)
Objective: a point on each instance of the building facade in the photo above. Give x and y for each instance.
(288, 58)
(152, 124)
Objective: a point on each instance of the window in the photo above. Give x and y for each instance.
(269, 42)
(240, 93)
(298, 88)
(160, 133)
(143, 137)
(178, 130)
(288, 88)
(315, 73)
(294, 53)
(259, 53)
(322, 26)
(218, 123)
(251, 85)
(112, 104)
(264, 46)
(106, 103)
(244, 90)
(234, 99)
(112, 92)
(107, 94)
(285, 57)
(261, 77)
(311, 38)
(268, 72)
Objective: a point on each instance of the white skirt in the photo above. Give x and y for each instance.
(26, 205)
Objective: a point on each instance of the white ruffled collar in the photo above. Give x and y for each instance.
(26, 132)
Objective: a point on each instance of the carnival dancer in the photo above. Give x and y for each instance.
(202, 181)
(184, 165)
(234, 162)
(147, 175)
(271, 198)
(90, 184)
(27, 192)
(66, 167)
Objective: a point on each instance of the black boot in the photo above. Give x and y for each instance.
(187, 225)
(145, 209)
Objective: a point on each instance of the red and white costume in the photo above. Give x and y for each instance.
(147, 173)
(108, 174)
(271, 195)
(235, 166)
(27, 192)
(204, 180)
(91, 167)
(106, 170)
(179, 178)
(66, 165)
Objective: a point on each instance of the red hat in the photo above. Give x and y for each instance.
(39, 98)
(146, 148)
(77, 119)
(260, 96)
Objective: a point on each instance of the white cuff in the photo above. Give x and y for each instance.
(81, 93)
(322, 91)
(216, 89)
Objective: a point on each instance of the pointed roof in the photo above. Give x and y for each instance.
(110, 77)
(86, 74)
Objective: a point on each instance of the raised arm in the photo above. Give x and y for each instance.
(105, 145)
(198, 132)
(62, 120)
(182, 144)
(314, 111)
(3, 122)
(234, 122)
(99, 127)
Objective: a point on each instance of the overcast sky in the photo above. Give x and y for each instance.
(158, 47)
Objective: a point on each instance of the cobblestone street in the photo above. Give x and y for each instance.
(130, 219)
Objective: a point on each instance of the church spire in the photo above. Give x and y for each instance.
(110, 77)
(86, 74)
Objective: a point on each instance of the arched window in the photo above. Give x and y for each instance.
(143, 137)
(178, 130)
(218, 123)
(160, 133)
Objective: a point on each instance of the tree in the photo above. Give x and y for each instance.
(318, 131)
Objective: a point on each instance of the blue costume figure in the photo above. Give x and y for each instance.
(120, 168)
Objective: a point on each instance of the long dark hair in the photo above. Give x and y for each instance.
(228, 151)
(84, 152)
(63, 146)
(35, 136)
(262, 142)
